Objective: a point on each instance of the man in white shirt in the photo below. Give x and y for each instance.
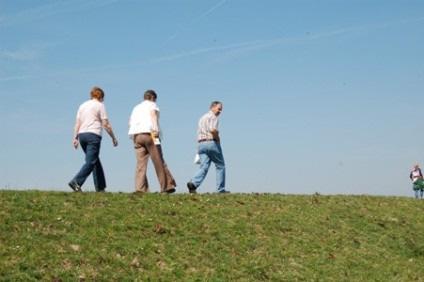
(91, 119)
(144, 130)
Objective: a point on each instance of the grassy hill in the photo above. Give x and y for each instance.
(55, 236)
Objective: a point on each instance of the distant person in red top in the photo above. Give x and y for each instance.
(417, 181)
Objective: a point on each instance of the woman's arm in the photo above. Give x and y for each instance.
(108, 127)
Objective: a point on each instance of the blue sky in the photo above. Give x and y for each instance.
(319, 96)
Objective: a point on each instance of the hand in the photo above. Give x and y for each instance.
(114, 142)
(75, 143)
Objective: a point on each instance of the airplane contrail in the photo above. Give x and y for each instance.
(51, 9)
(195, 20)
(231, 48)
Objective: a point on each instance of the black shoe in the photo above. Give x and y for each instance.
(74, 186)
(170, 191)
(191, 187)
(224, 191)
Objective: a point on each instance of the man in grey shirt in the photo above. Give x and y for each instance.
(209, 149)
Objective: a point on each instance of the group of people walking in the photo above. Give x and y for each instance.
(144, 130)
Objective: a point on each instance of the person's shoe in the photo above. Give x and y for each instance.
(74, 186)
(170, 190)
(223, 191)
(191, 187)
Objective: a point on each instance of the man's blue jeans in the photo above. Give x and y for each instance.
(90, 144)
(210, 151)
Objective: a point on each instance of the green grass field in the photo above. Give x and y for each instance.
(54, 236)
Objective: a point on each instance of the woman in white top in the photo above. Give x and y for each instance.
(91, 119)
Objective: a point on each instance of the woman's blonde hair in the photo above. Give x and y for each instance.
(97, 93)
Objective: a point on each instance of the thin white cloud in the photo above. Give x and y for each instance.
(233, 49)
(18, 55)
(253, 45)
(51, 9)
(200, 51)
(261, 44)
(208, 12)
(27, 53)
(16, 77)
(195, 20)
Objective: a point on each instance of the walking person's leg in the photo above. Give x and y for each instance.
(205, 162)
(99, 177)
(90, 143)
(165, 178)
(417, 192)
(73, 183)
(142, 156)
(217, 157)
(170, 183)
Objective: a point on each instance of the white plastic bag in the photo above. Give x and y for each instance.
(196, 159)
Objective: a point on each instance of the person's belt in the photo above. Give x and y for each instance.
(204, 140)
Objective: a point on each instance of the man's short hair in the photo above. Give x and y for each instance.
(214, 103)
(97, 93)
(150, 95)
